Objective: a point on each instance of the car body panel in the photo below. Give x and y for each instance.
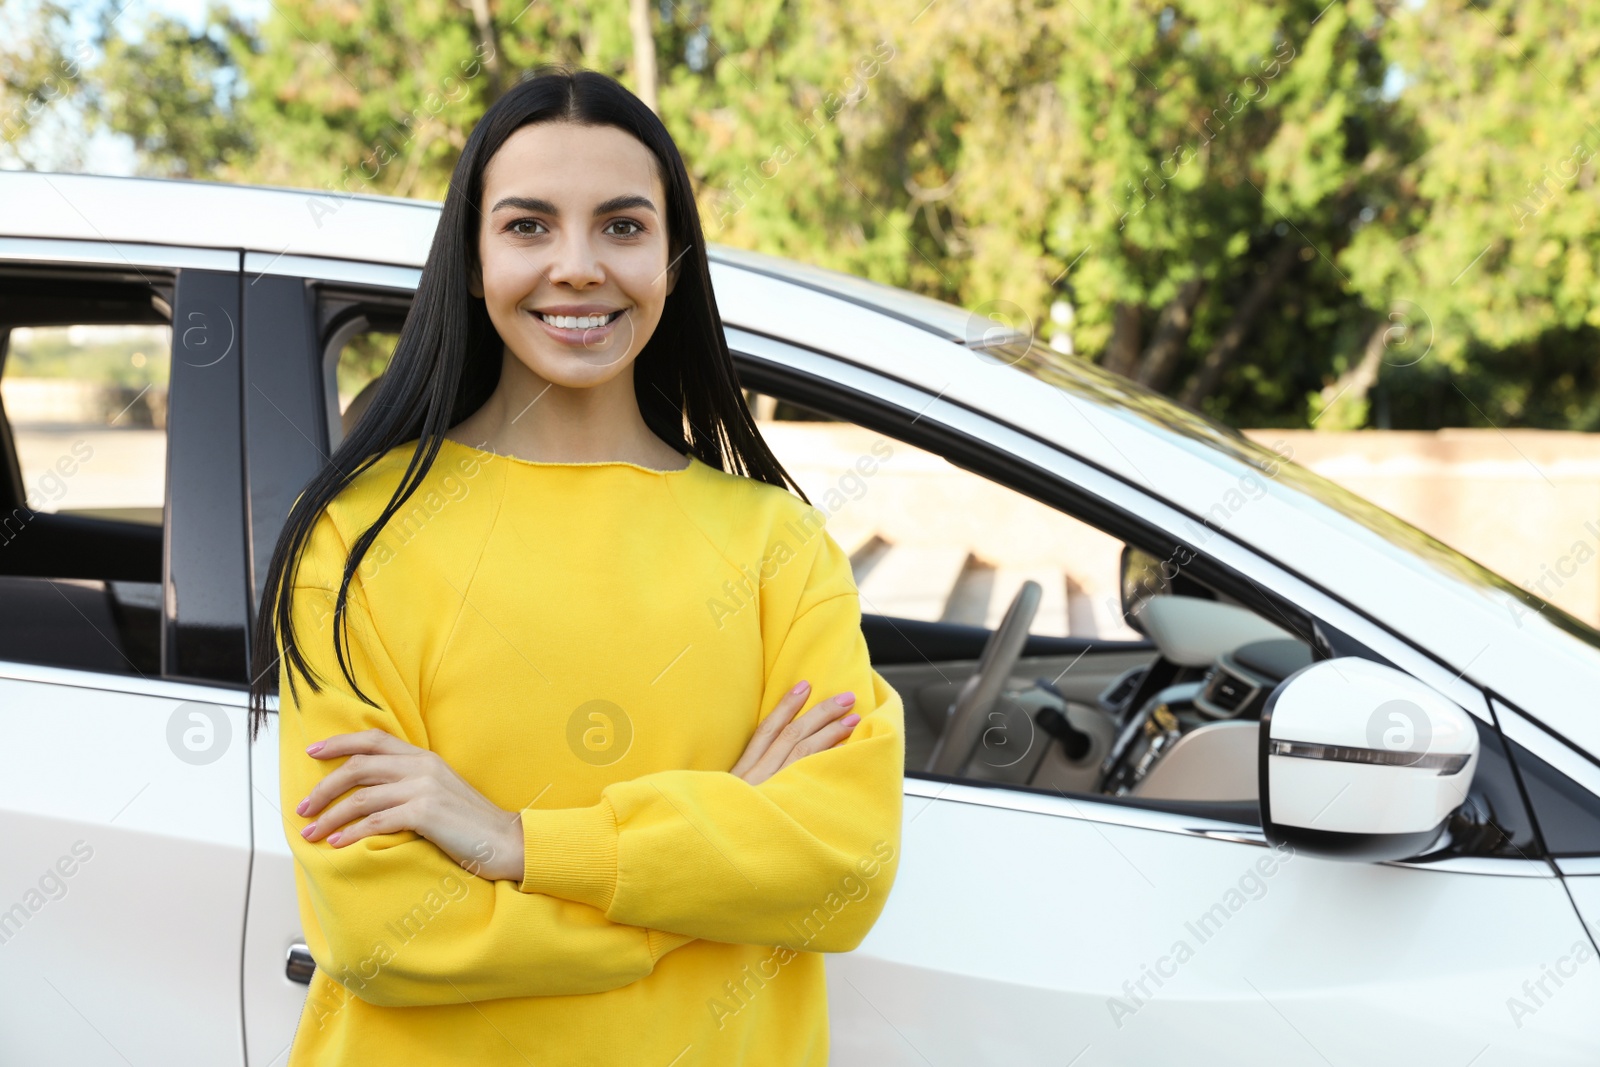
(125, 869)
(1066, 940)
(278, 221)
(272, 1002)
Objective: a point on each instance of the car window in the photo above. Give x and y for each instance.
(1216, 443)
(361, 327)
(83, 431)
(931, 542)
(358, 364)
(87, 407)
(1137, 682)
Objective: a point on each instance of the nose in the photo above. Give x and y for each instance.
(574, 261)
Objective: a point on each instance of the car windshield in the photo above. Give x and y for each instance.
(1212, 441)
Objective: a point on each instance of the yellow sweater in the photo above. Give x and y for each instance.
(591, 644)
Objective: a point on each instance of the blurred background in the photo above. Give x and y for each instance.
(1364, 231)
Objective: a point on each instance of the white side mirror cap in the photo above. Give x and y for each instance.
(1360, 761)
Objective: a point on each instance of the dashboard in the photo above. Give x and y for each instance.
(1184, 726)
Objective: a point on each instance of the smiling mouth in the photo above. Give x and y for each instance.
(579, 322)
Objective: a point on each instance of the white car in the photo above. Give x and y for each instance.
(1326, 793)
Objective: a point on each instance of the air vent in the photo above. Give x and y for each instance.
(1227, 692)
(1225, 695)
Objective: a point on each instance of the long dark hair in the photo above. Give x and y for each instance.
(448, 358)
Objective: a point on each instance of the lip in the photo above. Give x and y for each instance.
(578, 309)
(587, 337)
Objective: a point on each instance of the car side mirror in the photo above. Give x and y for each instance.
(1142, 576)
(1360, 761)
(1139, 578)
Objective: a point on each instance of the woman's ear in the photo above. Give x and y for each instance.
(672, 274)
(474, 278)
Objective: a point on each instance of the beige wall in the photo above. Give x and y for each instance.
(1524, 503)
(950, 545)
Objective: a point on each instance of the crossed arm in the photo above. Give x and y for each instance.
(595, 896)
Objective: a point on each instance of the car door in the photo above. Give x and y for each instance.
(124, 773)
(301, 314)
(1037, 926)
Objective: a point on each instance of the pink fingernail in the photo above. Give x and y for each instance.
(313, 749)
(800, 687)
(308, 831)
(851, 719)
(844, 700)
(300, 808)
(333, 839)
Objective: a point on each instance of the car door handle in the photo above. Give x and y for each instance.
(300, 965)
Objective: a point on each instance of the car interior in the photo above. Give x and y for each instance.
(82, 587)
(1174, 718)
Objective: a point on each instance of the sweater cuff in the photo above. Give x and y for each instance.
(662, 943)
(571, 853)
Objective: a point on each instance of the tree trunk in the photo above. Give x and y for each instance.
(1171, 332)
(1122, 351)
(644, 52)
(488, 38)
(1352, 386)
(1209, 374)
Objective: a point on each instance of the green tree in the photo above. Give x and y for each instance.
(41, 71)
(1491, 240)
(175, 92)
(1288, 213)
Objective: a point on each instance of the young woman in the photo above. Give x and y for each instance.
(545, 772)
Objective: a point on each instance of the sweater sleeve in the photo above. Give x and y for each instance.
(805, 858)
(393, 918)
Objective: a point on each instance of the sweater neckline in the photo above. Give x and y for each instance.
(519, 461)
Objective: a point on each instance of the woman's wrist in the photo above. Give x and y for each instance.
(507, 859)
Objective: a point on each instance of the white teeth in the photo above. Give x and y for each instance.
(576, 322)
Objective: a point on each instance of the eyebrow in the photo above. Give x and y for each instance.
(545, 207)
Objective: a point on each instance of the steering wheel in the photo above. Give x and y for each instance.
(965, 720)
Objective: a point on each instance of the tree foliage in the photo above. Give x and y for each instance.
(41, 71)
(1292, 212)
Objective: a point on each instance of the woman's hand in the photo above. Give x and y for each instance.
(778, 741)
(411, 788)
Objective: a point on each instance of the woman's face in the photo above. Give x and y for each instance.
(573, 248)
